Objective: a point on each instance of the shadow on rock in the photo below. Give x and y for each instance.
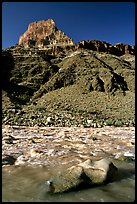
(18, 94)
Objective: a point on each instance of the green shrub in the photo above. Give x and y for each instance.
(118, 123)
(109, 122)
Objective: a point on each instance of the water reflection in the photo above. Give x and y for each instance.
(27, 184)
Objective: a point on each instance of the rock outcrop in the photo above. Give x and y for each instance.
(102, 46)
(42, 34)
(88, 172)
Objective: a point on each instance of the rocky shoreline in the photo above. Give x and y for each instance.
(52, 146)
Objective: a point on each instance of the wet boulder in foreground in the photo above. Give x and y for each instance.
(88, 172)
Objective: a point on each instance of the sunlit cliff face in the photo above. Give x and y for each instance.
(42, 34)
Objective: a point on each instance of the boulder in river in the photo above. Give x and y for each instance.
(88, 172)
(8, 160)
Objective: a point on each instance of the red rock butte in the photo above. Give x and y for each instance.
(43, 34)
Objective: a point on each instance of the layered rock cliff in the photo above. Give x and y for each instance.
(42, 34)
(102, 46)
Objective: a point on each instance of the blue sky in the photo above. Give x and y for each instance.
(112, 22)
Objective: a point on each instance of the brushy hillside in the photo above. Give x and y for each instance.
(81, 87)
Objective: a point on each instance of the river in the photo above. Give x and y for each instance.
(28, 184)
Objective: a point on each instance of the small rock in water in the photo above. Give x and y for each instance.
(33, 153)
(8, 159)
(130, 155)
(9, 139)
(20, 160)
